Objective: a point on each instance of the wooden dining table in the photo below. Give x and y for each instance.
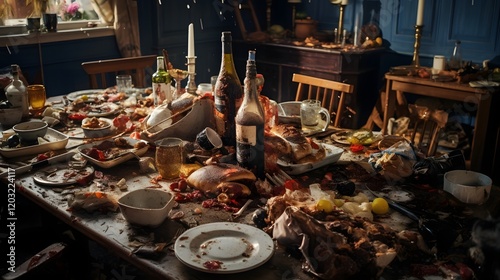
(114, 233)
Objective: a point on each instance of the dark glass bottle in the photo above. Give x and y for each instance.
(228, 93)
(455, 62)
(250, 121)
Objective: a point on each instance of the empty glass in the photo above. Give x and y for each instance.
(123, 83)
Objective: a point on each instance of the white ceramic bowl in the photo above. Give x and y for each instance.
(468, 186)
(103, 130)
(10, 116)
(146, 207)
(30, 131)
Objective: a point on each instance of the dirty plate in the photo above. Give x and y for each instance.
(333, 154)
(224, 247)
(61, 175)
(53, 140)
(123, 155)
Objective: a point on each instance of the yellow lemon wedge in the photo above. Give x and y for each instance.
(380, 206)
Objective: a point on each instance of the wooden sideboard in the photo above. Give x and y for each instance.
(278, 61)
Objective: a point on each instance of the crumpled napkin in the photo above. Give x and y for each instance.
(395, 162)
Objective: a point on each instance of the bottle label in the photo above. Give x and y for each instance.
(161, 93)
(250, 148)
(246, 134)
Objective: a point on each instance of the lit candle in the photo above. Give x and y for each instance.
(420, 12)
(191, 41)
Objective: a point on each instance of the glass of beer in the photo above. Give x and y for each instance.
(36, 96)
(169, 157)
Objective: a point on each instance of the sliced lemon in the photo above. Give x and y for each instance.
(324, 205)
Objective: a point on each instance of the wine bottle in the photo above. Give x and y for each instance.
(455, 62)
(228, 93)
(250, 121)
(161, 83)
(16, 92)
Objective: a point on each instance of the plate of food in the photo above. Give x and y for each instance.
(87, 95)
(359, 136)
(321, 155)
(62, 175)
(224, 247)
(110, 153)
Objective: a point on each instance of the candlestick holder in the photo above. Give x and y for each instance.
(191, 85)
(416, 47)
(341, 24)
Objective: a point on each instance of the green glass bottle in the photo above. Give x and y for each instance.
(162, 91)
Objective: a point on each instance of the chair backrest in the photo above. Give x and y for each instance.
(332, 94)
(425, 131)
(99, 71)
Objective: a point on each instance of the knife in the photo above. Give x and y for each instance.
(39, 164)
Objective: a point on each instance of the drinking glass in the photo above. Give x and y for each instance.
(36, 96)
(313, 117)
(123, 83)
(178, 76)
(169, 157)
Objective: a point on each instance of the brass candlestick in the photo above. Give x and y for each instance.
(341, 24)
(418, 34)
(191, 85)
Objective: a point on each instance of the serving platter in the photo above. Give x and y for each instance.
(123, 153)
(224, 247)
(333, 154)
(53, 140)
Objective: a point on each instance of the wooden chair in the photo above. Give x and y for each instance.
(332, 94)
(426, 128)
(101, 71)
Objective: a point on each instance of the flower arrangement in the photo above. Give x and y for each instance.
(72, 11)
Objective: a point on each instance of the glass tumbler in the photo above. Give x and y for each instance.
(169, 157)
(36, 96)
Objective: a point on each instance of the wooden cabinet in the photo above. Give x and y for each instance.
(278, 62)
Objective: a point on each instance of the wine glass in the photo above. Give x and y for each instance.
(178, 76)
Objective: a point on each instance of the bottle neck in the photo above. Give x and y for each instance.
(251, 82)
(160, 65)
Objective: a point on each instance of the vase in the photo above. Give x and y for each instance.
(304, 28)
(50, 22)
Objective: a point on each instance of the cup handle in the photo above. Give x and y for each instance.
(325, 112)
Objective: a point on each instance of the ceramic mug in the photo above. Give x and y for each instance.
(208, 139)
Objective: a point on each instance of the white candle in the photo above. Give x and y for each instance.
(420, 12)
(191, 40)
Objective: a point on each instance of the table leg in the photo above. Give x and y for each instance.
(389, 103)
(480, 129)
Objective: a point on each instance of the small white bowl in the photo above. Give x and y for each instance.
(30, 131)
(103, 130)
(468, 186)
(146, 207)
(10, 116)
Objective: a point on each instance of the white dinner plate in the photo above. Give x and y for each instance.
(60, 175)
(115, 161)
(91, 94)
(234, 247)
(333, 154)
(341, 137)
(102, 110)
